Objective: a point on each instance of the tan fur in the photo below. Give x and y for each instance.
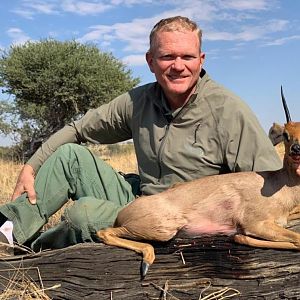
(253, 206)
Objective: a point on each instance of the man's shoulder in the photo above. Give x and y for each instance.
(215, 92)
(222, 102)
(136, 96)
(218, 96)
(144, 90)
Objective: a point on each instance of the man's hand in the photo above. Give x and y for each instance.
(25, 184)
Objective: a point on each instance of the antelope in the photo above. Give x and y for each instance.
(253, 207)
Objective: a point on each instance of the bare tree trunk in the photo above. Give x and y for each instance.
(183, 268)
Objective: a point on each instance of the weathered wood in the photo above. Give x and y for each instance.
(97, 271)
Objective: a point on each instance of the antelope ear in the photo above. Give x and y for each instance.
(276, 133)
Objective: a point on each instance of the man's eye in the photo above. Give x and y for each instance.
(188, 57)
(167, 57)
(171, 57)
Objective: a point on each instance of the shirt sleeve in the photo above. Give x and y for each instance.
(110, 123)
(65, 135)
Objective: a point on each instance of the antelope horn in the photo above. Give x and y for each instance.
(286, 110)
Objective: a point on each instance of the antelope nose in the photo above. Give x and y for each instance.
(295, 149)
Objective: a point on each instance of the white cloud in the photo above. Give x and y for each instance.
(247, 5)
(96, 33)
(25, 13)
(248, 32)
(41, 6)
(282, 41)
(17, 35)
(135, 60)
(84, 7)
(29, 8)
(251, 33)
(134, 34)
(130, 2)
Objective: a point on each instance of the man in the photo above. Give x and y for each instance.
(184, 126)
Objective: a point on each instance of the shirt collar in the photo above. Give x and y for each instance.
(163, 103)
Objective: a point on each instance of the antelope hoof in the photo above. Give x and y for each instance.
(144, 269)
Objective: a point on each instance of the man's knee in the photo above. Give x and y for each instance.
(71, 148)
(70, 152)
(92, 214)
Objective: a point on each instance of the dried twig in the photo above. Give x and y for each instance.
(166, 287)
(182, 258)
(22, 248)
(163, 290)
(224, 293)
(22, 286)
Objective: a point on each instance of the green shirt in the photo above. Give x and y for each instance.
(215, 132)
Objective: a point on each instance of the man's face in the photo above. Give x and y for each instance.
(176, 62)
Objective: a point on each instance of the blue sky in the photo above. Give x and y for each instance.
(251, 46)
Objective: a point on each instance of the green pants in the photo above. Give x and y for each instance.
(71, 172)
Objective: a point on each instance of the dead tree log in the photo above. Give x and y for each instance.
(183, 267)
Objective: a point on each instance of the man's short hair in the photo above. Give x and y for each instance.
(177, 23)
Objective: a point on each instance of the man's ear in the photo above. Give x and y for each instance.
(149, 59)
(202, 58)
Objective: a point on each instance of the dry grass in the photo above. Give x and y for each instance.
(20, 285)
(120, 157)
(8, 176)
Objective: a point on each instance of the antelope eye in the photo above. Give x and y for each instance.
(286, 136)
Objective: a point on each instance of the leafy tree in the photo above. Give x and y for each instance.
(6, 110)
(55, 82)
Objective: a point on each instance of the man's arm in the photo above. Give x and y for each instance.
(106, 124)
(65, 135)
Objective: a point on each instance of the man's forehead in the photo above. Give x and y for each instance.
(163, 37)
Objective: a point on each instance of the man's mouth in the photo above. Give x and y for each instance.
(175, 77)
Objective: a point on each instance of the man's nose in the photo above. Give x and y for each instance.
(178, 64)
